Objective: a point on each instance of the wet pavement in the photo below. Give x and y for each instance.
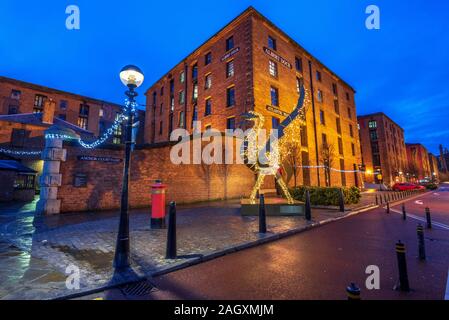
(320, 263)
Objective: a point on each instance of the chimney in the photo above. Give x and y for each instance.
(49, 111)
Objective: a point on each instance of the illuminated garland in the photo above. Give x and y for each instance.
(332, 169)
(19, 152)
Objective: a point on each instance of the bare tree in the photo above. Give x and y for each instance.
(293, 160)
(327, 157)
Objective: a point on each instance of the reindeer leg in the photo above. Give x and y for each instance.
(284, 188)
(259, 181)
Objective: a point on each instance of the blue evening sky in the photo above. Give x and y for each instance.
(401, 69)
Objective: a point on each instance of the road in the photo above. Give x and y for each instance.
(320, 263)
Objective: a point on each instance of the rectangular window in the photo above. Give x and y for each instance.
(195, 113)
(373, 135)
(208, 81)
(343, 174)
(39, 101)
(161, 109)
(195, 92)
(195, 72)
(230, 97)
(208, 58)
(298, 84)
(273, 68)
(353, 149)
(349, 113)
(230, 69)
(208, 108)
(347, 96)
(274, 93)
(229, 43)
(117, 134)
(24, 181)
(336, 106)
(375, 147)
(275, 122)
(376, 160)
(170, 124)
(181, 119)
(13, 109)
(372, 124)
(162, 91)
(182, 77)
(324, 139)
(230, 123)
(83, 116)
(160, 128)
(298, 64)
(351, 131)
(334, 89)
(182, 97)
(101, 112)
(340, 146)
(172, 103)
(271, 43)
(305, 170)
(320, 96)
(63, 104)
(322, 118)
(338, 126)
(172, 86)
(318, 76)
(304, 136)
(154, 98)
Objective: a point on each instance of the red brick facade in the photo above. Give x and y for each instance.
(418, 159)
(252, 83)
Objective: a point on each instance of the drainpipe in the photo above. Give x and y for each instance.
(186, 69)
(314, 121)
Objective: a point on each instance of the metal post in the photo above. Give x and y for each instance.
(121, 258)
(404, 212)
(262, 215)
(342, 201)
(385, 198)
(377, 201)
(402, 266)
(428, 218)
(308, 208)
(171, 232)
(353, 292)
(381, 201)
(421, 247)
(388, 207)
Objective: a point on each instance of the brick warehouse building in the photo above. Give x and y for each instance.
(251, 64)
(418, 159)
(383, 149)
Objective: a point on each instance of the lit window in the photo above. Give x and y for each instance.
(39, 101)
(182, 77)
(195, 92)
(182, 97)
(181, 119)
(320, 96)
(15, 94)
(298, 84)
(230, 69)
(372, 124)
(274, 93)
(273, 68)
(101, 112)
(208, 81)
(83, 116)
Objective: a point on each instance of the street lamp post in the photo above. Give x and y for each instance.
(132, 77)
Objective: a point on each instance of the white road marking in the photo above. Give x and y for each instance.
(436, 194)
(434, 223)
(419, 202)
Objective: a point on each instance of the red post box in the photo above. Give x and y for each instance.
(158, 205)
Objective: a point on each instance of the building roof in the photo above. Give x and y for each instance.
(251, 10)
(36, 119)
(13, 165)
(56, 91)
(381, 114)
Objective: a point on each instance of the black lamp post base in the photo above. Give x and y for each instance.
(158, 223)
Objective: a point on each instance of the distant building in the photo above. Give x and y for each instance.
(434, 169)
(383, 149)
(418, 162)
(443, 159)
(251, 64)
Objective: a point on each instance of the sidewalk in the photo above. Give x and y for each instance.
(35, 251)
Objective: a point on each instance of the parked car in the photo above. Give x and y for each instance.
(406, 186)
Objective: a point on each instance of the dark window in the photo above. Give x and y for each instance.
(334, 89)
(340, 146)
(353, 149)
(63, 117)
(347, 96)
(160, 128)
(305, 169)
(375, 147)
(170, 124)
(351, 131)
(322, 118)
(304, 136)
(12, 109)
(172, 86)
(230, 69)
(373, 135)
(274, 92)
(229, 43)
(271, 43)
(338, 126)
(324, 139)
(230, 97)
(208, 109)
(39, 101)
(154, 98)
(298, 64)
(376, 160)
(161, 109)
(63, 104)
(195, 72)
(318, 76)
(208, 58)
(230, 123)
(162, 91)
(349, 113)
(336, 106)
(18, 137)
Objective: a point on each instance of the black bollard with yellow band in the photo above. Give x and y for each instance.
(421, 245)
(402, 267)
(353, 292)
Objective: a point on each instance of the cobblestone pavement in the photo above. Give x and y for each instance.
(35, 251)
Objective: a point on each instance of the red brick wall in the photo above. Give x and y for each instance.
(186, 183)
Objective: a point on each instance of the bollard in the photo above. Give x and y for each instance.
(342, 201)
(262, 215)
(171, 232)
(377, 201)
(421, 248)
(428, 218)
(308, 208)
(380, 198)
(388, 207)
(404, 213)
(402, 267)
(385, 198)
(353, 292)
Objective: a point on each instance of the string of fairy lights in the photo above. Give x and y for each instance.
(88, 145)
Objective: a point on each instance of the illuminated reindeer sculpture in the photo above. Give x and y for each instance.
(266, 160)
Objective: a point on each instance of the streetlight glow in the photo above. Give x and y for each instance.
(131, 75)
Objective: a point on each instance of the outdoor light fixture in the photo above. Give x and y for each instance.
(132, 77)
